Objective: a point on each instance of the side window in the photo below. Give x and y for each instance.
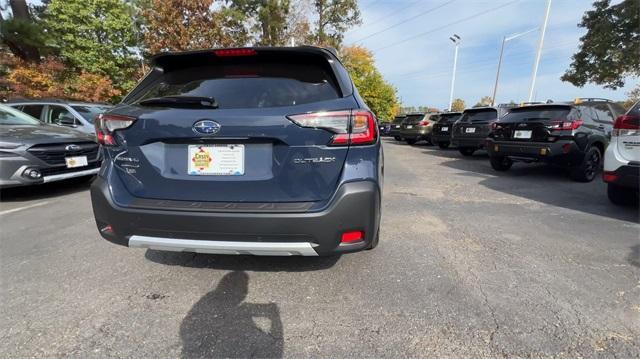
(587, 115)
(604, 113)
(60, 115)
(32, 110)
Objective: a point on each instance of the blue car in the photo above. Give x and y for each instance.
(263, 151)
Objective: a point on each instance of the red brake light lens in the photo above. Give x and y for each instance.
(352, 236)
(566, 125)
(627, 122)
(106, 124)
(234, 52)
(424, 123)
(609, 176)
(357, 127)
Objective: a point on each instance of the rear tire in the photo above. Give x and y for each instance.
(397, 138)
(467, 151)
(587, 170)
(500, 163)
(443, 145)
(411, 141)
(622, 196)
(374, 241)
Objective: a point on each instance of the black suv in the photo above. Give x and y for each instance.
(395, 127)
(471, 130)
(572, 135)
(443, 128)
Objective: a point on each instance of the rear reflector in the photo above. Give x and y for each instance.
(609, 176)
(234, 52)
(352, 236)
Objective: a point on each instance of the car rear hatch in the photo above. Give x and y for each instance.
(248, 142)
(476, 123)
(545, 123)
(445, 123)
(626, 132)
(412, 122)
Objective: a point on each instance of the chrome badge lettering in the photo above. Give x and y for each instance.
(314, 160)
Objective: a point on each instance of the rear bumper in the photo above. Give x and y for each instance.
(624, 176)
(354, 207)
(416, 133)
(471, 142)
(559, 152)
(441, 137)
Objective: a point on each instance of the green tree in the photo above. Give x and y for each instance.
(22, 35)
(458, 105)
(269, 19)
(378, 94)
(610, 50)
(94, 36)
(484, 101)
(335, 17)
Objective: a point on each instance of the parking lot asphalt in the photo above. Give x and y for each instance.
(470, 263)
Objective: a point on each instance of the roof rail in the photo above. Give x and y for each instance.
(593, 99)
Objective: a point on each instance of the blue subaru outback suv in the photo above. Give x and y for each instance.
(264, 151)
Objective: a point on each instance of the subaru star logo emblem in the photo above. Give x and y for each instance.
(206, 127)
(72, 148)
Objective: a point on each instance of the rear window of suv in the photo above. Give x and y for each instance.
(413, 119)
(537, 114)
(484, 115)
(248, 85)
(448, 117)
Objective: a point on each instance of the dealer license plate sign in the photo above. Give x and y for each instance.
(76, 161)
(522, 134)
(216, 160)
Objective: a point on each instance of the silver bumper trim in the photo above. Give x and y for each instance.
(65, 176)
(223, 247)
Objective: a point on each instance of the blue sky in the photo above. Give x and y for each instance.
(421, 68)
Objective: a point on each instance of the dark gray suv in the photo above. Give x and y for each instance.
(264, 151)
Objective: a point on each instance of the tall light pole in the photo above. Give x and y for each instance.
(504, 40)
(456, 40)
(539, 52)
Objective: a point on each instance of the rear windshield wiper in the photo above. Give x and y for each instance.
(181, 101)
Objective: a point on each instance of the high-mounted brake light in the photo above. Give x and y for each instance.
(357, 127)
(106, 124)
(626, 125)
(234, 52)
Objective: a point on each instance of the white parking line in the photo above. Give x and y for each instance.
(25, 207)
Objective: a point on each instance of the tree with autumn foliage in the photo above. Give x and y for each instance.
(379, 95)
(458, 105)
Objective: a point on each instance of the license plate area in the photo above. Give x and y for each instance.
(409, 126)
(470, 130)
(216, 160)
(444, 129)
(522, 134)
(76, 161)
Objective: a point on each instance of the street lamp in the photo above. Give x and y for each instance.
(539, 52)
(456, 40)
(504, 40)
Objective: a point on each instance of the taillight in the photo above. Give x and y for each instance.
(106, 124)
(626, 125)
(234, 52)
(357, 127)
(609, 176)
(566, 125)
(424, 123)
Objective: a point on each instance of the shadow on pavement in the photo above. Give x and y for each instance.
(546, 184)
(249, 263)
(47, 190)
(221, 325)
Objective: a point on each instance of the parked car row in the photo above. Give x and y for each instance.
(579, 136)
(44, 141)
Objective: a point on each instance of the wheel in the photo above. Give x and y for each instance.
(443, 145)
(374, 242)
(587, 170)
(467, 151)
(500, 163)
(622, 196)
(397, 138)
(412, 141)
